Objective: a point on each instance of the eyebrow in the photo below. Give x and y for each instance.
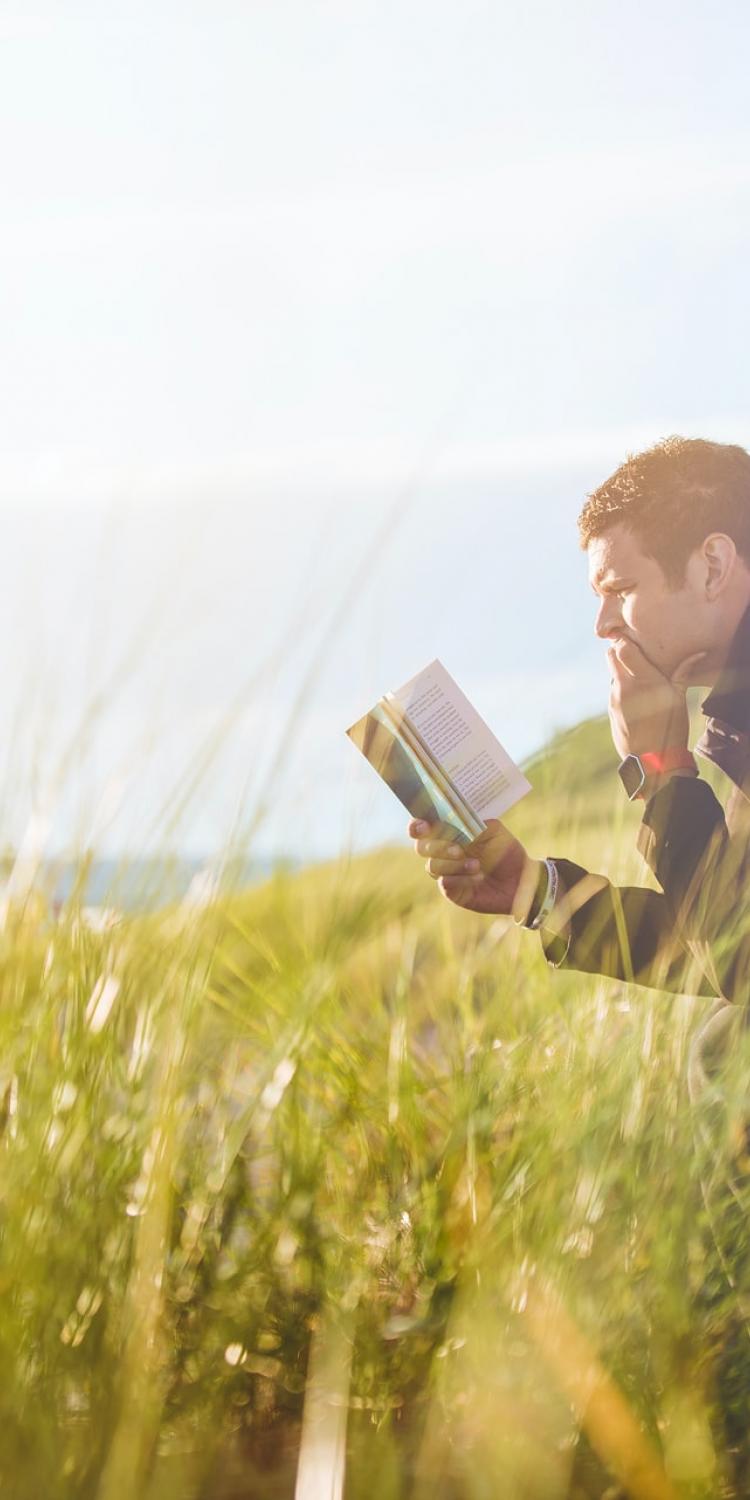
(600, 583)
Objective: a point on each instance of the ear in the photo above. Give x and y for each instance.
(718, 556)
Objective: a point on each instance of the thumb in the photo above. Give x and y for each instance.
(682, 673)
(493, 829)
(495, 835)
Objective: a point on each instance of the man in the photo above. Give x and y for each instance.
(668, 544)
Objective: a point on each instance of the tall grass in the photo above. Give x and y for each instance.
(327, 1186)
(326, 1190)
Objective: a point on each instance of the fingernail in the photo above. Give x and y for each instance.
(453, 851)
(471, 866)
(421, 827)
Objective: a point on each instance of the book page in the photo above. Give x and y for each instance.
(461, 742)
(409, 736)
(377, 736)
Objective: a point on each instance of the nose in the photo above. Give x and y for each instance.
(609, 619)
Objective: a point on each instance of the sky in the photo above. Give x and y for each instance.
(319, 322)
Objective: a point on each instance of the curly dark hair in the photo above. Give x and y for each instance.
(672, 496)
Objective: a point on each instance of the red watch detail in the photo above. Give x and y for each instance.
(657, 764)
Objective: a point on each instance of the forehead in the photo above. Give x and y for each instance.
(615, 554)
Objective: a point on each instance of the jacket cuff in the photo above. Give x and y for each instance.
(556, 945)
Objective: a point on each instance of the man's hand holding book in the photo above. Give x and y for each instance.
(493, 874)
(432, 748)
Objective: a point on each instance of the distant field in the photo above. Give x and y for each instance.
(330, 1184)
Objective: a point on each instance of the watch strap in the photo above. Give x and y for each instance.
(637, 771)
(659, 763)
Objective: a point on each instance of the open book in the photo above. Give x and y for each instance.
(438, 755)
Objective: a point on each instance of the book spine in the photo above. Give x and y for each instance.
(409, 732)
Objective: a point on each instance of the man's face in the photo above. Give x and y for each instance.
(636, 602)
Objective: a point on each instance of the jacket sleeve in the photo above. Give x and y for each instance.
(625, 932)
(704, 872)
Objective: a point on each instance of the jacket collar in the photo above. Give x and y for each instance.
(729, 701)
(726, 738)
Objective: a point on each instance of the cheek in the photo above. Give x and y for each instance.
(634, 613)
(644, 619)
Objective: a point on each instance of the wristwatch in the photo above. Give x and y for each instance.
(635, 771)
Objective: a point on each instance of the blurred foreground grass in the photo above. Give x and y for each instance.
(330, 1156)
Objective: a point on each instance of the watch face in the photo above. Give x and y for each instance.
(631, 775)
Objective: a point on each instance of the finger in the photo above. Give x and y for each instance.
(462, 890)
(439, 848)
(438, 867)
(614, 665)
(615, 673)
(435, 830)
(419, 828)
(633, 662)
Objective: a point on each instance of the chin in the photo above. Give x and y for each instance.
(657, 660)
